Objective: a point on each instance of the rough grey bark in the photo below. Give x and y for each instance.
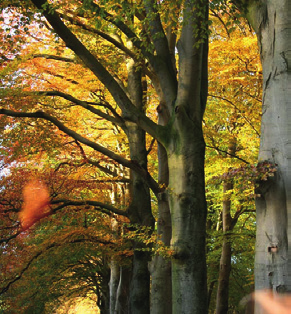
(272, 24)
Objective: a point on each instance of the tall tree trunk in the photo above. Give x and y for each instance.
(272, 24)
(186, 150)
(161, 284)
(139, 211)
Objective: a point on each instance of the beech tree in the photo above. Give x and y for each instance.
(272, 25)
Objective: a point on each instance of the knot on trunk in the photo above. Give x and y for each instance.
(181, 251)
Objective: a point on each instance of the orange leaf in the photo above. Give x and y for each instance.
(35, 205)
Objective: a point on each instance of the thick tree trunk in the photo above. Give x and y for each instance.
(223, 281)
(186, 150)
(188, 211)
(272, 24)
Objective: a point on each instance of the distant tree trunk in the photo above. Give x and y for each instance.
(113, 285)
(123, 291)
(271, 21)
(119, 275)
(225, 260)
(119, 289)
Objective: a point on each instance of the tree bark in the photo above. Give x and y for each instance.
(139, 210)
(188, 212)
(113, 286)
(161, 284)
(186, 151)
(272, 24)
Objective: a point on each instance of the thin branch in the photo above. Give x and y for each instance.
(116, 43)
(123, 27)
(6, 240)
(97, 164)
(54, 57)
(226, 152)
(87, 105)
(231, 103)
(151, 145)
(215, 14)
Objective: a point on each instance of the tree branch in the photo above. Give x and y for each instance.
(119, 159)
(105, 208)
(54, 57)
(129, 110)
(226, 152)
(118, 120)
(162, 63)
(117, 44)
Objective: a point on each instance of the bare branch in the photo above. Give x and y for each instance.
(105, 208)
(226, 152)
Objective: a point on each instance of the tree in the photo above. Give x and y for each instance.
(231, 122)
(183, 97)
(272, 26)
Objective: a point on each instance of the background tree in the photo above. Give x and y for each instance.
(231, 123)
